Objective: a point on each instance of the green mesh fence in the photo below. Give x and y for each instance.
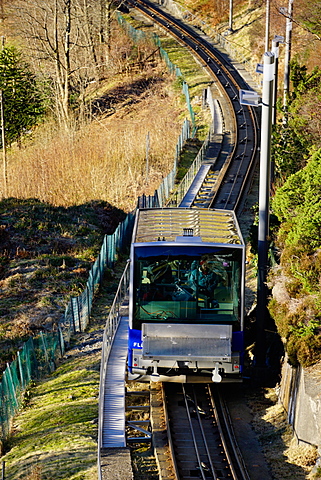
(78, 309)
(138, 35)
(37, 358)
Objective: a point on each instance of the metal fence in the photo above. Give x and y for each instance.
(78, 309)
(181, 189)
(37, 358)
(139, 35)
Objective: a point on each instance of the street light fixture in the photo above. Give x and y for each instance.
(264, 198)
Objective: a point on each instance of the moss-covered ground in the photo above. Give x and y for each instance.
(55, 434)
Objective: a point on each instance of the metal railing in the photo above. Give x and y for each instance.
(108, 338)
(180, 191)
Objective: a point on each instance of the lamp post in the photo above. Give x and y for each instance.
(264, 205)
(230, 27)
(288, 37)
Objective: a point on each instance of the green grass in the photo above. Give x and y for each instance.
(190, 151)
(57, 430)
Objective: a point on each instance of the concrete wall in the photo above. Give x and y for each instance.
(300, 394)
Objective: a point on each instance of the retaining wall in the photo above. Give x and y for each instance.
(300, 394)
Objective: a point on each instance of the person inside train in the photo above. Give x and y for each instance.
(203, 281)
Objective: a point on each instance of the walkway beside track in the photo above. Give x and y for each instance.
(113, 428)
(115, 457)
(213, 151)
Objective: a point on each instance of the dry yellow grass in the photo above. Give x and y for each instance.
(287, 459)
(105, 159)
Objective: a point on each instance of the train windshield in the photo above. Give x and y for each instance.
(188, 284)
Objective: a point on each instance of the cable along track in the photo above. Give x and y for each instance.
(201, 441)
(235, 161)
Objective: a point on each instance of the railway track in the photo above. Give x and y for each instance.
(229, 176)
(200, 435)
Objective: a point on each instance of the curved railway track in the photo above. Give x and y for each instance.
(229, 177)
(200, 436)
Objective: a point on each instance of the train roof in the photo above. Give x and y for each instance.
(209, 225)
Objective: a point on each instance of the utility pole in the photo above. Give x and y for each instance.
(3, 138)
(275, 50)
(288, 39)
(264, 206)
(230, 27)
(249, 97)
(267, 24)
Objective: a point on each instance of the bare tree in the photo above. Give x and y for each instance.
(67, 41)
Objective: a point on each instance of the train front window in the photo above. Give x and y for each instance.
(187, 284)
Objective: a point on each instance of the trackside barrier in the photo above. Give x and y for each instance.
(139, 35)
(169, 194)
(108, 338)
(36, 359)
(180, 191)
(78, 309)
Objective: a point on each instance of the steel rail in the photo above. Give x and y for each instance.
(204, 438)
(228, 439)
(196, 445)
(230, 82)
(210, 438)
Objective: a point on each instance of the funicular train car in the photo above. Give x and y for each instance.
(186, 296)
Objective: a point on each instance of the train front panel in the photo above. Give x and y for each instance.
(186, 310)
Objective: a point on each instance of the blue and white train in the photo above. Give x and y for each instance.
(186, 308)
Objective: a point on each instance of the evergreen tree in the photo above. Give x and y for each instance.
(22, 101)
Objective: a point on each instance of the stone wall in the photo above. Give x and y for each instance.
(300, 394)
